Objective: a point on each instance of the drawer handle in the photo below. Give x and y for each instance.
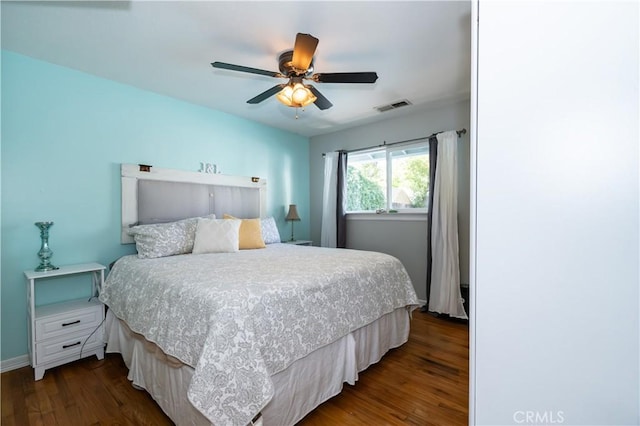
(71, 323)
(71, 345)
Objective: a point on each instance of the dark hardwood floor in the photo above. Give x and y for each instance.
(424, 382)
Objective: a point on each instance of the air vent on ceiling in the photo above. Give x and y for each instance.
(394, 105)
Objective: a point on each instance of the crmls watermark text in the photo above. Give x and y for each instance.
(531, 417)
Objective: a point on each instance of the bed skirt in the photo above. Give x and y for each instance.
(300, 388)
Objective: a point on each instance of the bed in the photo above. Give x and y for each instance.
(248, 336)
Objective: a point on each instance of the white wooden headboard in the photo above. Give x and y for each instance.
(186, 194)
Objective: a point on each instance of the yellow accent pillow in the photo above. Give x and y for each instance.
(250, 233)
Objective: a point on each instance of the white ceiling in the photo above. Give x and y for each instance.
(420, 50)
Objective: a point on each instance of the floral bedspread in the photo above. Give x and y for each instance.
(239, 318)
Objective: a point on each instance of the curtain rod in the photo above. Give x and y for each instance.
(459, 132)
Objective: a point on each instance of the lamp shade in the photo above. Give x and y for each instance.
(292, 214)
(296, 95)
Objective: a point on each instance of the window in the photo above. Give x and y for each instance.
(389, 178)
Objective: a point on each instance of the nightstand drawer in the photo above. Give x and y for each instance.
(58, 320)
(69, 345)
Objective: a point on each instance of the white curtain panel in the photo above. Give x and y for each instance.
(445, 296)
(328, 235)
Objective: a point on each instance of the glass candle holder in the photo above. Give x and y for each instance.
(45, 252)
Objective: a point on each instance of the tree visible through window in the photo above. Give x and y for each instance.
(363, 192)
(389, 178)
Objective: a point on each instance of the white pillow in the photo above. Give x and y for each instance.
(217, 236)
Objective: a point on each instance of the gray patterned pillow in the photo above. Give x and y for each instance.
(270, 233)
(165, 239)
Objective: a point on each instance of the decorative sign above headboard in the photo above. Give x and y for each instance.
(155, 195)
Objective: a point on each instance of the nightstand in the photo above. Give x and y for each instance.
(67, 331)
(300, 242)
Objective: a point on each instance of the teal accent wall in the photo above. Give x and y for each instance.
(65, 134)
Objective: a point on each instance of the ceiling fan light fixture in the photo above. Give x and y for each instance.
(297, 65)
(296, 95)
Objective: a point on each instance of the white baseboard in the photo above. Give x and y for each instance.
(422, 302)
(14, 363)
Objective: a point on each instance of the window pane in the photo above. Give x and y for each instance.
(406, 180)
(367, 181)
(410, 177)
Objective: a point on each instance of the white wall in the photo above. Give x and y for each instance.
(405, 240)
(555, 247)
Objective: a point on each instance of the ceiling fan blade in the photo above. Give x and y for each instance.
(267, 93)
(346, 77)
(303, 51)
(240, 68)
(321, 102)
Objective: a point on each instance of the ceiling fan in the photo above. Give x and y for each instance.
(297, 65)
